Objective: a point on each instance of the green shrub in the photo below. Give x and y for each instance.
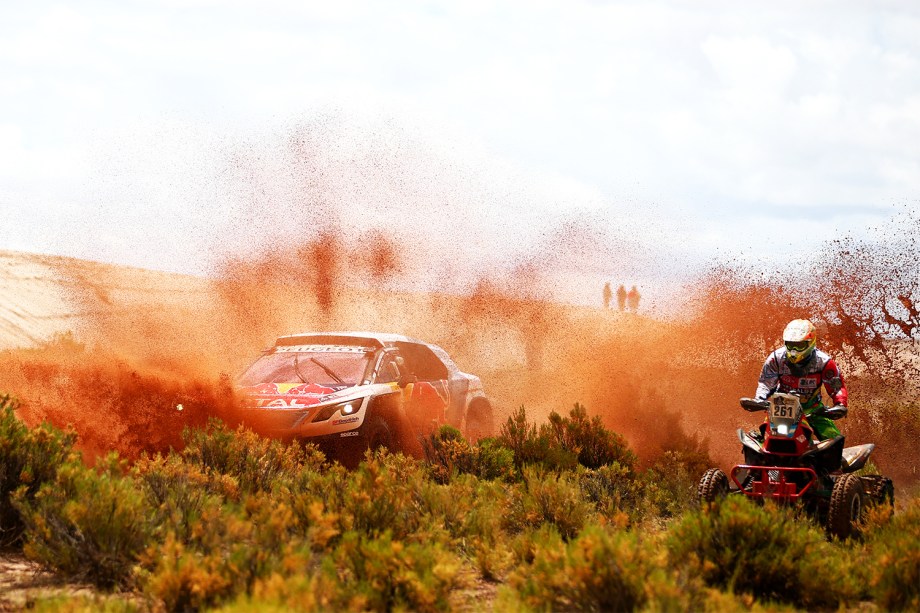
(669, 486)
(467, 509)
(183, 579)
(257, 463)
(86, 603)
(178, 493)
(493, 461)
(613, 490)
(448, 454)
(29, 458)
(529, 447)
(362, 574)
(600, 570)
(230, 549)
(316, 500)
(765, 551)
(588, 439)
(89, 523)
(553, 498)
(304, 589)
(894, 559)
(380, 496)
(564, 442)
(383, 574)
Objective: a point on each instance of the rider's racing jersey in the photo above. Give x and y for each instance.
(803, 379)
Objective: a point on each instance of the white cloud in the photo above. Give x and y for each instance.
(752, 64)
(713, 110)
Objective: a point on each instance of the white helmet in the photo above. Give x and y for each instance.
(800, 338)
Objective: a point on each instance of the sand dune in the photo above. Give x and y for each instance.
(35, 301)
(42, 295)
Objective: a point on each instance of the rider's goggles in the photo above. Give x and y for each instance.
(799, 346)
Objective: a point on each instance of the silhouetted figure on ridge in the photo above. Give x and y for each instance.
(607, 295)
(621, 297)
(632, 299)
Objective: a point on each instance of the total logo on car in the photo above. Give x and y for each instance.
(352, 391)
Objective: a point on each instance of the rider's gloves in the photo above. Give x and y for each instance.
(836, 412)
(756, 404)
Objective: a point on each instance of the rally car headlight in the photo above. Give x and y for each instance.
(347, 408)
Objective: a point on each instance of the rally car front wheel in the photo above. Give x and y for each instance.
(349, 448)
(377, 433)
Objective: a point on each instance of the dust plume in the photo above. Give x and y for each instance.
(328, 226)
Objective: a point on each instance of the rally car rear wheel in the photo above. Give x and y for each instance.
(478, 421)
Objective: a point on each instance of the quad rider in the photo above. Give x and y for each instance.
(799, 367)
(782, 461)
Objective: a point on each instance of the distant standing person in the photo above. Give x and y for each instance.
(607, 295)
(632, 298)
(621, 297)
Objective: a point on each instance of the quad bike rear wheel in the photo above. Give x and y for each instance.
(713, 485)
(846, 507)
(879, 490)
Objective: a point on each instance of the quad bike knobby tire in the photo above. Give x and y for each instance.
(713, 485)
(879, 489)
(846, 508)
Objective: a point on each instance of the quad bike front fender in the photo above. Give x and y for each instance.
(856, 457)
(749, 441)
(778, 485)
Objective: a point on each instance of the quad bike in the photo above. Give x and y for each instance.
(784, 462)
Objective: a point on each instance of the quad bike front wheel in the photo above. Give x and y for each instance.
(846, 507)
(713, 485)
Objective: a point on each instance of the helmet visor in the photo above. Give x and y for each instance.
(798, 346)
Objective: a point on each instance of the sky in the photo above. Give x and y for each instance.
(634, 138)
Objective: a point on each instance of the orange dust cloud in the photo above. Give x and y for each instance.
(295, 259)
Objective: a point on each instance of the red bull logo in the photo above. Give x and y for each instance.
(286, 395)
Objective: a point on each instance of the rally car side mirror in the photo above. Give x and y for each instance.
(406, 379)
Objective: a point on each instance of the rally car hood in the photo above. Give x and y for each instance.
(288, 410)
(294, 395)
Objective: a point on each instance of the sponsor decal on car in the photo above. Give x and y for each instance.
(345, 420)
(282, 403)
(321, 349)
(350, 433)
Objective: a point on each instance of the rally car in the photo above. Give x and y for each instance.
(352, 391)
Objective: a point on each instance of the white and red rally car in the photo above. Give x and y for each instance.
(352, 391)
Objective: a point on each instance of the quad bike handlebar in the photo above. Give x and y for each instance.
(753, 405)
(835, 412)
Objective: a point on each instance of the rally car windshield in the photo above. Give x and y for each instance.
(323, 366)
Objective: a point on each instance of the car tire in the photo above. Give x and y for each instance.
(379, 435)
(478, 421)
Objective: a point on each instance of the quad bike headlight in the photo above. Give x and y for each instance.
(347, 408)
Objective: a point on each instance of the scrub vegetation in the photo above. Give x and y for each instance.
(590, 506)
(552, 516)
